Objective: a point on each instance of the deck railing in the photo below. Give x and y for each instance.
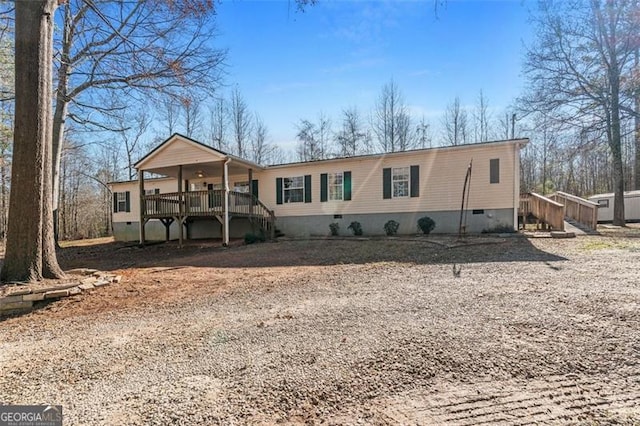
(543, 208)
(205, 203)
(578, 209)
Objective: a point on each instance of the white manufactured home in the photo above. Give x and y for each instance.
(206, 193)
(605, 206)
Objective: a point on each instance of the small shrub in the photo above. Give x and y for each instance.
(334, 228)
(426, 224)
(355, 227)
(391, 227)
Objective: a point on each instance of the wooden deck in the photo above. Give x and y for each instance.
(180, 206)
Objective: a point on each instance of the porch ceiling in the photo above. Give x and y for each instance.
(201, 170)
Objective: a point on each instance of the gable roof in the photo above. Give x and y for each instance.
(215, 154)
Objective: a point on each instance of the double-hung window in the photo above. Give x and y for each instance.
(121, 201)
(293, 189)
(335, 184)
(400, 181)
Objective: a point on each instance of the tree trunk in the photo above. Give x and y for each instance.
(615, 143)
(30, 250)
(637, 129)
(60, 114)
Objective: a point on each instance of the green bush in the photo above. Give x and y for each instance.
(391, 227)
(426, 224)
(334, 228)
(355, 227)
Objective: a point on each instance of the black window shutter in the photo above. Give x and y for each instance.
(307, 188)
(347, 185)
(323, 187)
(156, 191)
(115, 202)
(415, 181)
(254, 188)
(494, 170)
(386, 183)
(127, 201)
(278, 190)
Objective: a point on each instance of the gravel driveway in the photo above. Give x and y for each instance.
(416, 331)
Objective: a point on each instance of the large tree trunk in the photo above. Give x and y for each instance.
(30, 250)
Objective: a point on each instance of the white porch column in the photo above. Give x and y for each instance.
(225, 231)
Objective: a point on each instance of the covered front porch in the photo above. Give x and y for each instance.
(203, 189)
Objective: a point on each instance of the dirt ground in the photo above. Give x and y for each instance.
(382, 331)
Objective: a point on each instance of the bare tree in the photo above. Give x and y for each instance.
(313, 139)
(6, 54)
(170, 115)
(353, 138)
(636, 104)
(576, 67)
(218, 125)
(241, 122)
(481, 119)
(423, 133)
(192, 108)
(137, 48)
(259, 148)
(133, 126)
(391, 122)
(30, 250)
(455, 123)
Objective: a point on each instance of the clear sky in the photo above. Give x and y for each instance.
(291, 65)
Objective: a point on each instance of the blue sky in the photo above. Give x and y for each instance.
(291, 65)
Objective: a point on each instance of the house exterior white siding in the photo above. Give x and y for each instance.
(430, 180)
(441, 178)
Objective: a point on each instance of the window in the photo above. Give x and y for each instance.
(336, 190)
(335, 186)
(293, 189)
(241, 187)
(603, 204)
(400, 181)
(494, 170)
(121, 202)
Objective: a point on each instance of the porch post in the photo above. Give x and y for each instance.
(142, 205)
(225, 226)
(251, 194)
(180, 207)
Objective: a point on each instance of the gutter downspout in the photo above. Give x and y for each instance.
(225, 243)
